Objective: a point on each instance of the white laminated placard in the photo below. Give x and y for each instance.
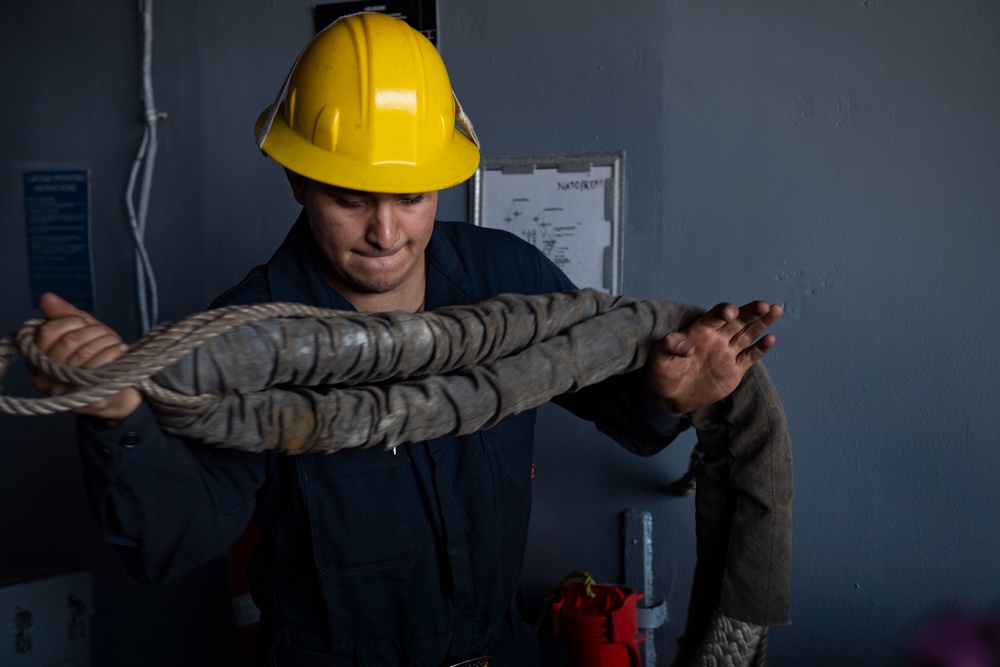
(567, 206)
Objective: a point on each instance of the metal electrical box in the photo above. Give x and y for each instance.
(45, 618)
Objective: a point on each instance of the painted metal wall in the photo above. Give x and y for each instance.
(839, 157)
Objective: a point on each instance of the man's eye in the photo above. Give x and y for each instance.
(413, 199)
(349, 203)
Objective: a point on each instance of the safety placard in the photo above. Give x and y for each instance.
(567, 206)
(57, 212)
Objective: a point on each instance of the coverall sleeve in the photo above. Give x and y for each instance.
(621, 406)
(167, 504)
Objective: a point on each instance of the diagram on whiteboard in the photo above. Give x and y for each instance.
(569, 215)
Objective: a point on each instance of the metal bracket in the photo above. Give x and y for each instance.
(652, 617)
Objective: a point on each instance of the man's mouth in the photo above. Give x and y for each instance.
(368, 254)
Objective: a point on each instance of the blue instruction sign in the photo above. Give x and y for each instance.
(57, 210)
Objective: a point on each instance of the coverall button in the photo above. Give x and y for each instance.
(130, 440)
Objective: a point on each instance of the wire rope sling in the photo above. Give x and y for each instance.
(296, 379)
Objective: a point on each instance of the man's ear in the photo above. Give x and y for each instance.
(298, 183)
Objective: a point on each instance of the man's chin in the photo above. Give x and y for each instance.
(379, 282)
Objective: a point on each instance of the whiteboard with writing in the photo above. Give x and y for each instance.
(567, 206)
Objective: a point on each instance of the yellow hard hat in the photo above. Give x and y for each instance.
(368, 106)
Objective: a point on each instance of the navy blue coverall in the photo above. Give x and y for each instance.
(366, 557)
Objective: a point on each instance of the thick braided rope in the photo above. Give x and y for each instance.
(197, 375)
(158, 349)
(402, 378)
(299, 379)
(728, 643)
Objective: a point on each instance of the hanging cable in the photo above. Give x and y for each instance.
(144, 160)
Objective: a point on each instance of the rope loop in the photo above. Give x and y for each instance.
(155, 351)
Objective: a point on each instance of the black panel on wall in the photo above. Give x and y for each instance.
(420, 14)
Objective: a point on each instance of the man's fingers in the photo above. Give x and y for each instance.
(76, 338)
(57, 336)
(758, 325)
(64, 338)
(89, 347)
(769, 313)
(753, 353)
(754, 319)
(61, 334)
(97, 352)
(720, 315)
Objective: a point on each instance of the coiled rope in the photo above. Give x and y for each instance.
(322, 380)
(294, 379)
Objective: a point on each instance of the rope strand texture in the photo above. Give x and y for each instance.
(333, 379)
(729, 643)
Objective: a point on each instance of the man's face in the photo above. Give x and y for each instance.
(369, 243)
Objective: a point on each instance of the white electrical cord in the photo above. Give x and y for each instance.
(145, 158)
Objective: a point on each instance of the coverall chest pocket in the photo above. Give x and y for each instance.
(362, 510)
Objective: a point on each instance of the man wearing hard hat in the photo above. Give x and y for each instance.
(367, 557)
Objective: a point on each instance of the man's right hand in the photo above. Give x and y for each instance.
(706, 361)
(75, 338)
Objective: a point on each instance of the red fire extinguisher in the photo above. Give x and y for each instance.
(600, 623)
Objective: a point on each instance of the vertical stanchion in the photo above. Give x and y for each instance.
(638, 562)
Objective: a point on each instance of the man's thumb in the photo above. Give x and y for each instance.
(677, 344)
(54, 306)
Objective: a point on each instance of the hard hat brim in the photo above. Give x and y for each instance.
(294, 152)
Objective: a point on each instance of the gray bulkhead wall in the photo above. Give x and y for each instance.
(841, 158)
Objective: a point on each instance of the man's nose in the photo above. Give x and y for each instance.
(383, 228)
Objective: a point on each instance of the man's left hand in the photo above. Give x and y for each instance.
(705, 362)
